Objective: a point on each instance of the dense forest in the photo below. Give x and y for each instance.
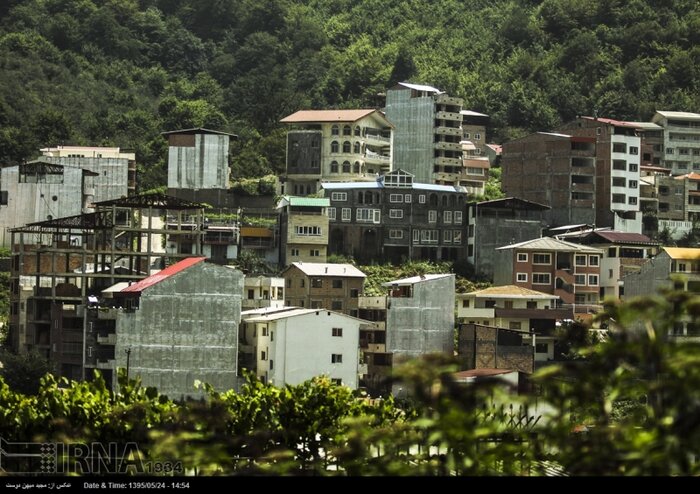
(120, 72)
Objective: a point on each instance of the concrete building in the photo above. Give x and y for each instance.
(179, 326)
(617, 171)
(335, 145)
(673, 268)
(303, 229)
(263, 291)
(474, 130)
(428, 130)
(198, 159)
(499, 222)
(115, 169)
(567, 270)
(291, 345)
(396, 218)
(323, 286)
(516, 308)
(681, 140)
(473, 173)
(652, 144)
(262, 241)
(623, 253)
(488, 347)
(416, 317)
(556, 170)
(78, 257)
(679, 197)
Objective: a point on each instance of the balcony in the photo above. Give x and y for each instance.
(448, 115)
(375, 348)
(105, 364)
(110, 339)
(444, 99)
(373, 326)
(442, 161)
(554, 313)
(376, 158)
(449, 146)
(448, 131)
(376, 139)
(364, 302)
(476, 313)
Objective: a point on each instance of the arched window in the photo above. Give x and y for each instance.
(444, 200)
(346, 167)
(357, 130)
(335, 130)
(334, 147)
(356, 167)
(433, 201)
(356, 148)
(461, 200)
(346, 147)
(346, 130)
(452, 199)
(369, 198)
(334, 167)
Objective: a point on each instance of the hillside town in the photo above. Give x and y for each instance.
(103, 278)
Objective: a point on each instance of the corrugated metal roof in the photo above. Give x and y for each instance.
(548, 243)
(420, 87)
(320, 202)
(679, 114)
(294, 312)
(646, 125)
(610, 121)
(625, 237)
(511, 291)
(310, 116)
(689, 176)
(554, 134)
(162, 275)
(416, 279)
(198, 130)
(328, 269)
(683, 253)
(378, 185)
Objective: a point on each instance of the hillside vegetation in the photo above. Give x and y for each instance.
(119, 72)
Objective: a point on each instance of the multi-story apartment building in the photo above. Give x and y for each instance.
(679, 197)
(531, 312)
(623, 253)
(416, 317)
(474, 130)
(291, 345)
(171, 329)
(428, 130)
(652, 143)
(262, 291)
(617, 170)
(472, 175)
(567, 270)
(681, 140)
(557, 170)
(498, 222)
(395, 218)
(303, 229)
(115, 169)
(323, 286)
(335, 145)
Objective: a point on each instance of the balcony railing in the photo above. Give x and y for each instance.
(553, 313)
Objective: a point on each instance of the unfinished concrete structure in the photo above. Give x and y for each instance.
(487, 347)
(180, 325)
(415, 318)
(65, 261)
(428, 130)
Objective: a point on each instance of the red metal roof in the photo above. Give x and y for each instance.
(163, 274)
(610, 121)
(625, 237)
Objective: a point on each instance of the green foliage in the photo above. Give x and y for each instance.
(264, 186)
(23, 371)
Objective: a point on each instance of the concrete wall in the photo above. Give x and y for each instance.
(303, 346)
(185, 329)
(202, 166)
(653, 275)
(113, 175)
(424, 322)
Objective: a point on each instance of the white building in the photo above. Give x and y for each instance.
(263, 291)
(291, 345)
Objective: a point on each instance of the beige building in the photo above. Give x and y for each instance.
(335, 146)
(323, 286)
(681, 132)
(303, 229)
(262, 291)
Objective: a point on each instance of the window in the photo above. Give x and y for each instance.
(619, 198)
(432, 216)
(368, 215)
(521, 277)
(429, 236)
(272, 336)
(334, 147)
(337, 283)
(316, 283)
(346, 167)
(683, 151)
(619, 165)
(334, 167)
(592, 260)
(263, 355)
(531, 304)
(407, 198)
(315, 304)
(339, 196)
(580, 260)
(541, 348)
(421, 199)
(514, 325)
(632, 184)
(307, 231)
(272, 364)
(354, 293)
(580, 279)
(331, 213)
(634, 167)
(264, 331)
(466, 135)
(477, 136)
(632, 200)
(634, 150)
(458, 218)
(289, 282)
(593, 279)
(251, 294)
(346, 214)
(302, 282)
(295, 252)
(337, 305)
(465, 303)
(314, 253)
(347, 147)
(347, 130)
(356, 167)
(447, 236)
(522, 257)
(3, 198)
(539, 258)
(396, 213)
(336, 358)
(619, 181)
(337, 381)
(447, 217)
(396, 234)
(356, 148)
(335, 130)
(395, 197)
(337, 332)
(357, 130)
(619, 147)
(541, 279)
(416, 236)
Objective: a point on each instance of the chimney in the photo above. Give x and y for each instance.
(326, 269)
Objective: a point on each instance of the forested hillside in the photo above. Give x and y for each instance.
(119, 72)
